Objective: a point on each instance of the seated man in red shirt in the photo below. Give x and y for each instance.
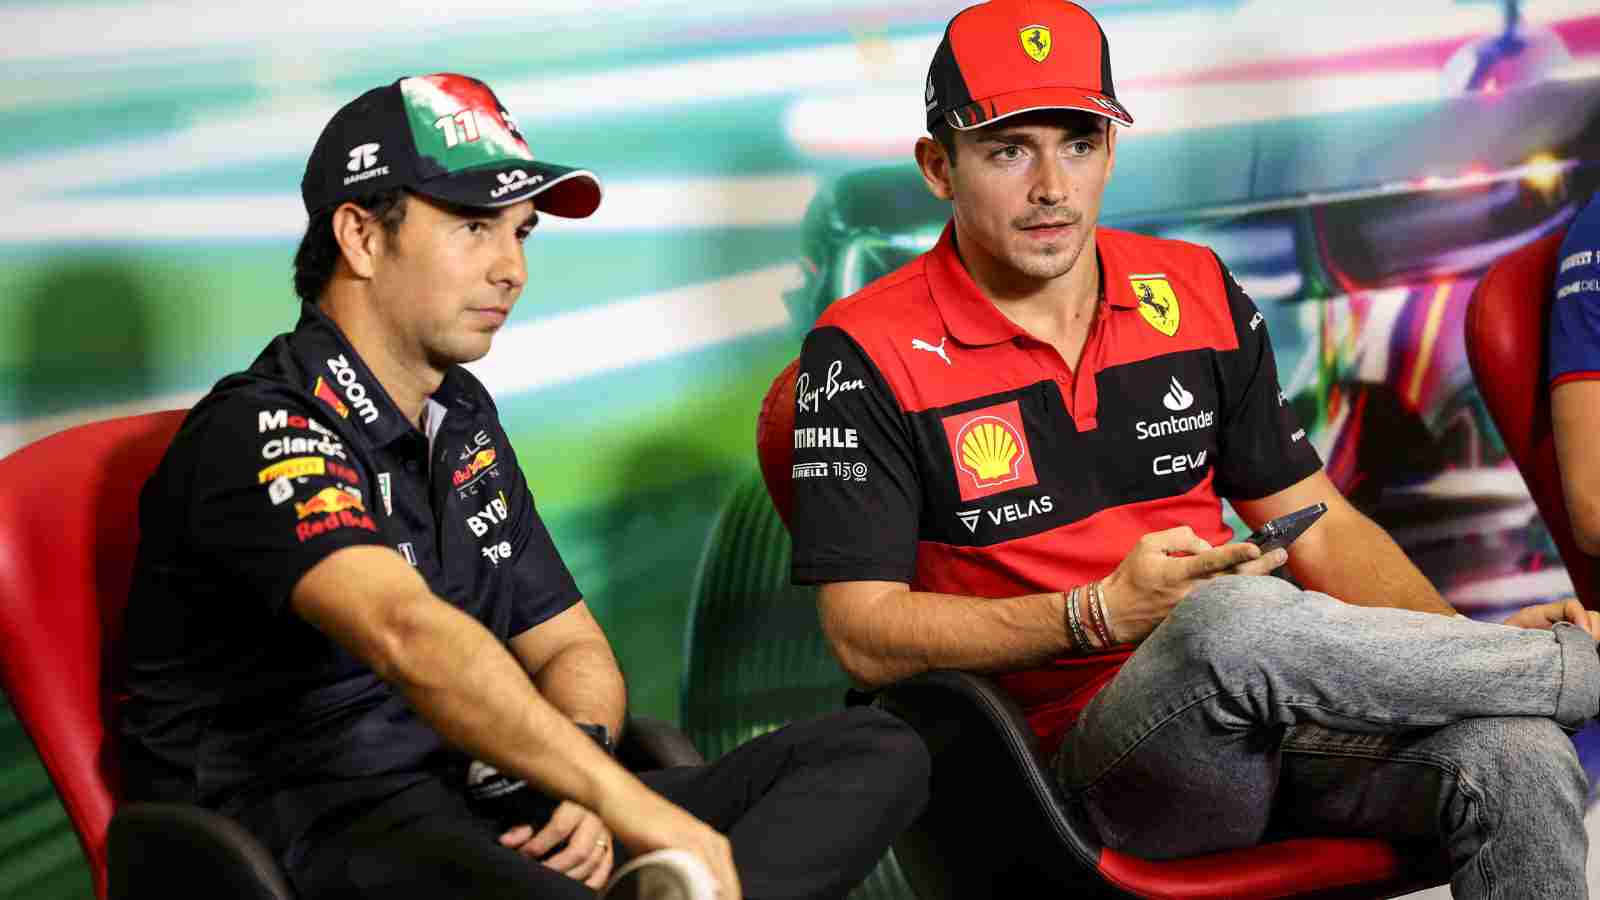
(1030, 430)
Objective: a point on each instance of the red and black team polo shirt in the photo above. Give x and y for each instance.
(938, 444)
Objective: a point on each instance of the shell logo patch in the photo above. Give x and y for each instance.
(1035, 42)
(1158, 305)
(990, 449)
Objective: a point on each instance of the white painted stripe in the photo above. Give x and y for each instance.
(78, 30)
(891, 71)
(59, 30)
(1512, 590)
(592, 341)
(558, 349)
(739, 202)
(17, 433)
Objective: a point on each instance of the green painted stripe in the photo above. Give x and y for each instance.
(80, 328)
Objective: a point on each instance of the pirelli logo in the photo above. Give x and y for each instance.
(990, 449)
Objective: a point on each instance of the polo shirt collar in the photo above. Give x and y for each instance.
(317, 340)
(969, 316)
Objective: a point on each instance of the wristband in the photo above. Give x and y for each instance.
(1078, 636)
(1097, 614)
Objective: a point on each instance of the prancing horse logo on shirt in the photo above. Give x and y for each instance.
(1158, 305)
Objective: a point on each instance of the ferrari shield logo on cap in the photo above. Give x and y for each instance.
(1035, 42)
(1157, 303)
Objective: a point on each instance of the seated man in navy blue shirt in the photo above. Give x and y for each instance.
(1575, 373)
(344, 595)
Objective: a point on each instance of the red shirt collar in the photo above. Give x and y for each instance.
(969, 316)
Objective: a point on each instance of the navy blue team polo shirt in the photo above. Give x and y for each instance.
(1575, 308)
(230, 697)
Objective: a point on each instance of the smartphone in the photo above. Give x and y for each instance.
(1282, 531)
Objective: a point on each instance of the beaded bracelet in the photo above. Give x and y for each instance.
(1079, 637)
(1097, 615)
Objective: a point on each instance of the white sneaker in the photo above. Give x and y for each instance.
(662, 875)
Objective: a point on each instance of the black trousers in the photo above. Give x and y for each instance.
(808, 809)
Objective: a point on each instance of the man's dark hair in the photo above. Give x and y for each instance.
(319, 252)
(946, 136)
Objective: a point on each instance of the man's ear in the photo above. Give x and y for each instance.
(935, 165)
(359, 235)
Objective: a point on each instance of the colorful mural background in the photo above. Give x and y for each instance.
(1358, 168)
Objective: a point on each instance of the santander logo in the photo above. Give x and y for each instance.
(1177, 399)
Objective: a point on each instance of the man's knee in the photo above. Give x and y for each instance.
(887, 745)
(1229, 617)
(1519, 767)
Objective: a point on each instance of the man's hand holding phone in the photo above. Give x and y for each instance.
(1163, 567)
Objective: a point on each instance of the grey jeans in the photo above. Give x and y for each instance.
(1256, 704)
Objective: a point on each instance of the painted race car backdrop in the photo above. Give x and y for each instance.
(1357, 167)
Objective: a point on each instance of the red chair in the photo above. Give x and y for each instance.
(1506, 334)
(972, 726)
(68, 532)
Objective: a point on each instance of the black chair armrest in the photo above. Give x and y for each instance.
(989, 777)
(160, 850)
(653, 744)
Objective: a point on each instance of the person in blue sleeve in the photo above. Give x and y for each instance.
(1575, 373)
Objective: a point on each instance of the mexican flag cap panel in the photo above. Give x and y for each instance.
(445, 136)
(1005, 57)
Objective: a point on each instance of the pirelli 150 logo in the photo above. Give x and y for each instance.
(990, 450)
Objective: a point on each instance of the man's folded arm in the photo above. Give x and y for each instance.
(883, 632)
(458, 677)
(1575, 420)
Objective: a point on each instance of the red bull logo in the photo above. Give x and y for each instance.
(329, 500)
(323, 391)
(482, 460)
(331, 509)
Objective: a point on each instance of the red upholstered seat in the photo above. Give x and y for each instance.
(1311, 867)
(68, 532)
(1506, 329)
